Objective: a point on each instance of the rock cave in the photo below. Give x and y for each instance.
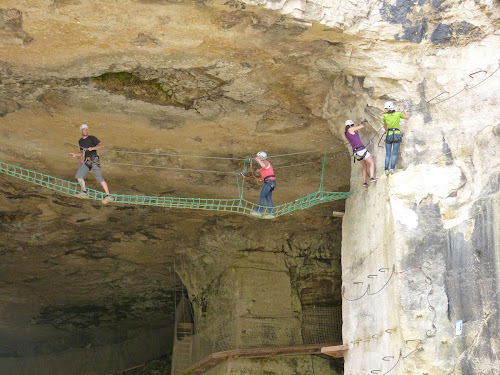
(402, 277)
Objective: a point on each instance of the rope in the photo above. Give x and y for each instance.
(323, 170)
(206, 157)
(214, 171)
(66, 143)
(238, 205)
(301, 152)
(174, 155)
(172, 168)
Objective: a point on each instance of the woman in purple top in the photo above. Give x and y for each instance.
(359, 150)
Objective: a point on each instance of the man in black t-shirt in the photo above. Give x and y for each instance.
(88, 146)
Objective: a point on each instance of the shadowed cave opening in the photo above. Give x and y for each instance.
(249, 307)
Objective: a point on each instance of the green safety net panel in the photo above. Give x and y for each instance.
(239, 205)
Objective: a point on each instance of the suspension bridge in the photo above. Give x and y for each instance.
(236, 205)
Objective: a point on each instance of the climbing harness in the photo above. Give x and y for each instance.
(359, 157)
(392, 136)
(91, 160)
(271, 183)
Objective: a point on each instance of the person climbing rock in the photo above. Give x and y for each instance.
(88, 146)
(359, 150)
(393, 135)
(267, 174)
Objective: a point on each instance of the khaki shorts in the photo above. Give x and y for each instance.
(83, 170)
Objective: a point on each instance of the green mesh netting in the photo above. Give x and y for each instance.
(239, 205)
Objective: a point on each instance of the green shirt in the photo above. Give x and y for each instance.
(392, 120)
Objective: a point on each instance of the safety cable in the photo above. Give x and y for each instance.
(411, 106)
(207, 157)
(387, 282)
(367, 291)
(430, 332)
(466, 87)
(354, 299)
(397, 363)
(171, 168)
(236, 158)
(208, 170)
(469, 88)
(173, 155)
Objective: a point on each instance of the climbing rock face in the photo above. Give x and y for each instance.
(159, 82)
(429, 240)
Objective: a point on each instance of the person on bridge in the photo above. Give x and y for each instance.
(88, 146)
(393, 137)
(359, 150)
(266, 193)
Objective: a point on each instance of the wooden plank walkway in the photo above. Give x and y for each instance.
(215, 358)
(335, 351)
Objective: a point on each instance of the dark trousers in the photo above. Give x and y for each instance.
(266, 194)
(394, 147)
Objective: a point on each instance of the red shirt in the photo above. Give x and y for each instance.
(264, 172)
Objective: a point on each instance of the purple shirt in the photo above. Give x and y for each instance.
(354, 140)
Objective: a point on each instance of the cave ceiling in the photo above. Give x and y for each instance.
(217, 78)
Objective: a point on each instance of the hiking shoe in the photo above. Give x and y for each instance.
(365, 185)
(373, 179)
(269, 216)
(386, 172)
(83, 195)
(107, 199)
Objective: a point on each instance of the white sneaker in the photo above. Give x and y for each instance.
(387, 172)
(391, 171)
(82, 195)
(107, 199)
(255, 213)
(269, 216)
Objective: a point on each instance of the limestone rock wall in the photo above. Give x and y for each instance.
(435, 221)
(440, 277)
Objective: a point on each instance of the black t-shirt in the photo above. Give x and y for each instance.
(90, 141)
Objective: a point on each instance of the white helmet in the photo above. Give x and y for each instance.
(349, 123)
(84, 126)
(389, 106)
(262, 155)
